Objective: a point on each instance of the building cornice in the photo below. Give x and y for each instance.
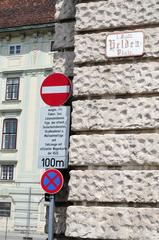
(28, 27)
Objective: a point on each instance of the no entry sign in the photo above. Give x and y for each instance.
(55, 89)
(52, 181)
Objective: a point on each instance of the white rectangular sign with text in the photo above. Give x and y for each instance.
(54, 137)
(125, 44)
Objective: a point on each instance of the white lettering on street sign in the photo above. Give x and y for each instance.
(54, 137)
(125, 44)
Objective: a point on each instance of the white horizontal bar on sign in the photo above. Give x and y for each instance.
(55, 89)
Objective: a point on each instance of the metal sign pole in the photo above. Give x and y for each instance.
(6, 228)
(51, 182)
(51, 218)
(28, 215)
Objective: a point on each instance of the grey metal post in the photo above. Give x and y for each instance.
(6, 228)
(51, 218)
(28, 214)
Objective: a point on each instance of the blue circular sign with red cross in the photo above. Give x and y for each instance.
(52, 181)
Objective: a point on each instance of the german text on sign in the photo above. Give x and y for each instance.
(54, 137)
(125, 44)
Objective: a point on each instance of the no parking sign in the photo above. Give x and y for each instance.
(52, 181)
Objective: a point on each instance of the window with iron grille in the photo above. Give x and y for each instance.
(5, 209)
(14, 49)
(7, 172)
(12, 89)
(9, 133)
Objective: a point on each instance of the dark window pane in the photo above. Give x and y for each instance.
(7, 127)
(7, 172)
(12, 49)
(15, 92)
(52, 46)
(18, 48)
(8, 96)
(12, 88)
(6, 141)
(9, 134)
(12, 126)
(10, 81)
(5, 209)
(12, 142)
(9, 88)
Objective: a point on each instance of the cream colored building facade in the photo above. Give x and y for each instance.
(25, 61)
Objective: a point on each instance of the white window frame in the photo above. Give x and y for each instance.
(6, 173)
(9, 134)
(12, 93)
(15, 49)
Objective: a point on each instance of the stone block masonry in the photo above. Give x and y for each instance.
(114, 186)
(116, 14)
(117, 78)
(63, 62)
(108, 114)
(64, 35)
(122, 150)
(65, 9)
(92, 47)
(112, 223)
(114, 146)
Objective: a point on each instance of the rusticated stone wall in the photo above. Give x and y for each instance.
(63, 47)
(113, 223)
(113, 189)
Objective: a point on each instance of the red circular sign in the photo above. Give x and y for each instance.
(52, 181)
(55, 89)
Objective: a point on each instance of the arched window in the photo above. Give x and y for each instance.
(9, 134)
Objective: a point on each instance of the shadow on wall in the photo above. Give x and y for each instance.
(64, 37)
(61, 203)
(63, 61)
